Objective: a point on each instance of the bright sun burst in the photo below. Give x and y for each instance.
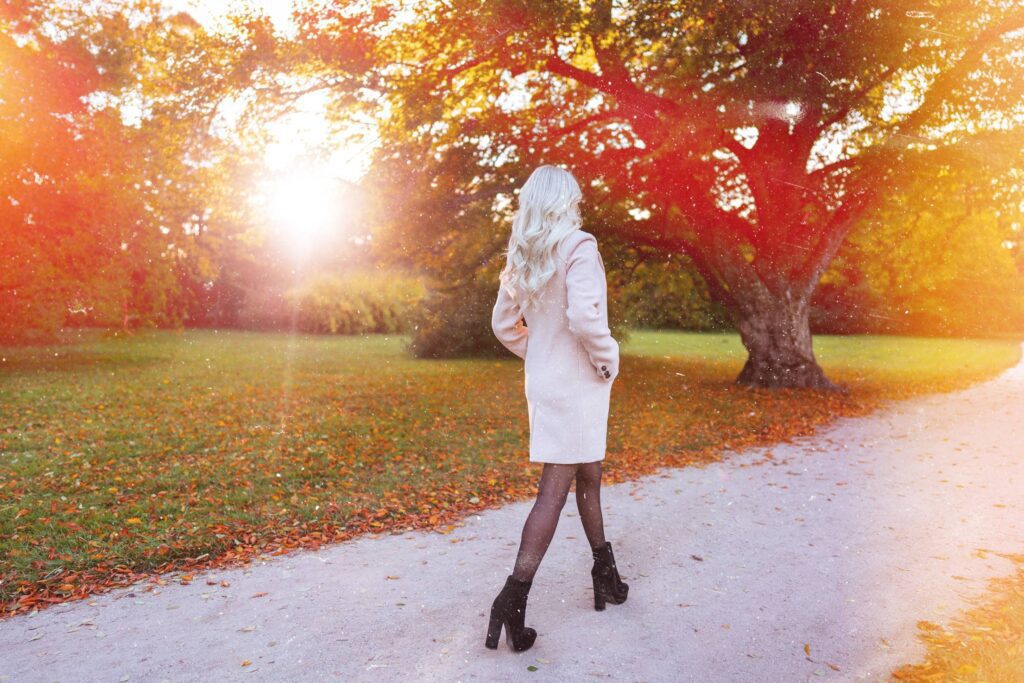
(304, 209)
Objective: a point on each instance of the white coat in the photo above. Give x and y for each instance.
(571, 359)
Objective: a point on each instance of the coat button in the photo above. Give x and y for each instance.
(607, 374)
(604, 367)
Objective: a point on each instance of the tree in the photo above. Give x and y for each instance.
(752, 136)
(942, 245)
(73, 240)
(118, 206)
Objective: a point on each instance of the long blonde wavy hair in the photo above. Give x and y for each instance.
(548, 212)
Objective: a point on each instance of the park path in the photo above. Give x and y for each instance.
(833, 545)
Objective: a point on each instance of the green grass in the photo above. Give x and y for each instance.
(167, 449)
(852, 357)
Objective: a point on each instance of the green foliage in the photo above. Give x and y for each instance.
(358, 303)
(669, 296)
(939, 258)
(454, 321)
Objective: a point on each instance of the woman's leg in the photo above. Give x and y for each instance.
(539, 529)
(588, 500)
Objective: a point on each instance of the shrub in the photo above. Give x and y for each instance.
(359, 303)
(455, 321)
(668, 296)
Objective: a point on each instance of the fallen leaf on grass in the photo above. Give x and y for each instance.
(205, 524)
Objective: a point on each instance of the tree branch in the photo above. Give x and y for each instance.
(626, 93)
(948, 80)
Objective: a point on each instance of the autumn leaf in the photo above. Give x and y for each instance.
(357, 474)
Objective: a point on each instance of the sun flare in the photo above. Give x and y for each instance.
(304, 209)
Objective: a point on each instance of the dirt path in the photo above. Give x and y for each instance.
(836, 545)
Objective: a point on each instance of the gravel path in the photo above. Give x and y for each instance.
(833, 545)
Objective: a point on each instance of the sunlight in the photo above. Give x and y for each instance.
(214, 14)
(306, 129)
(304, 209)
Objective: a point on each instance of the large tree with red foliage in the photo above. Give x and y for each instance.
(748, 137)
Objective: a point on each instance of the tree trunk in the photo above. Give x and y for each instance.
(777, 335)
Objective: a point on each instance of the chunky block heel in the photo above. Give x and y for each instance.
(598, 596)
(608, 587)
(493, 631)
(509, 610)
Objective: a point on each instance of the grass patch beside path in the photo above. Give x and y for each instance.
(122, 459)
(984, 644)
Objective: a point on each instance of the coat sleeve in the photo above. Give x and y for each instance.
(506, 322)
(588, 318)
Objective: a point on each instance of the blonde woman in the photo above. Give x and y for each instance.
(554, 281)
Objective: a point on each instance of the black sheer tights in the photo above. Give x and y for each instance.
(552, 492)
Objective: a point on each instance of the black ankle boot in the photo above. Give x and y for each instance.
(509, 608)
(607, 584)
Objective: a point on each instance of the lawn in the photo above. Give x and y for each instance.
(122, 459)
(982, 644)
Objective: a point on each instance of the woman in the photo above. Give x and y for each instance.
(554, 279)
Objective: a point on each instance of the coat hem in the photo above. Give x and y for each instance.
(565, 462)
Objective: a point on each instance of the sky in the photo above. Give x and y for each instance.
(210, 13)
